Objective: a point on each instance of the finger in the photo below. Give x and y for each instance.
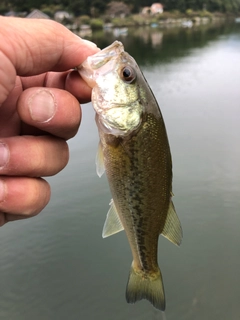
(52, 110)
(22, 197)
(78, 87)
(70, 81)
(33, 156)
(9, 120)
(53, 46)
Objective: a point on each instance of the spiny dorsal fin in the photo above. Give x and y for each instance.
(113, 223)
(172, 229)
(99, 160)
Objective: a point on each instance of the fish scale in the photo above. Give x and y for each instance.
(129, 161)
(135, 153)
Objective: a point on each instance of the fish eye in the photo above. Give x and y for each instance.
(128, 74)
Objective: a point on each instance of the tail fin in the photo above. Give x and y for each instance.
(140, 286)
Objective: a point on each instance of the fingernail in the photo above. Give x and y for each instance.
(4, 155)
(42, 106)
(89, 43)
(2, 190)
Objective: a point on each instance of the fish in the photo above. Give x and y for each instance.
(135, 154)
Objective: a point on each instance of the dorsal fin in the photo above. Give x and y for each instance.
(113, 223)
(99, 160)
(172, 229)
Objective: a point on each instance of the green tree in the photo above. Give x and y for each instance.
(79, 7)
(96, 7)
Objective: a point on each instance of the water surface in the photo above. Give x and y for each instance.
(57, 266)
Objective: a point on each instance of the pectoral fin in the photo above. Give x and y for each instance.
(172, 229)
(113, 223)
(99, 161)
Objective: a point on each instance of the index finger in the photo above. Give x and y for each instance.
(35, 46)
(69, 80)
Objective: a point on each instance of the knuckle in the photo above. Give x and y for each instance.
(26, 198)
(38, 197)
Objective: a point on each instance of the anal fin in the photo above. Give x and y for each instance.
(113, 223)
(172, 229)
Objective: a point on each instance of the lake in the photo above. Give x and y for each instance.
(57, 266)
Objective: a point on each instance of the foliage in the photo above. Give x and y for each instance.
(79, 7)
(117, 8)
(210, 5)
(94, 8)
(84, 19)
(139, 19)
(97, 7)
(51, 9)
(96, 24)
(205, 14)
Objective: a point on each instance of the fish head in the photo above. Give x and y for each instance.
(113, 75)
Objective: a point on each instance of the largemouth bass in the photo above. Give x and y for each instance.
(135, 153)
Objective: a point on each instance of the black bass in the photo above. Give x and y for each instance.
(135, 153)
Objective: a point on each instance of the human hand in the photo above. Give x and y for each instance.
(39, 109)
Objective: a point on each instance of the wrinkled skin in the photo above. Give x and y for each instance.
(39, 109)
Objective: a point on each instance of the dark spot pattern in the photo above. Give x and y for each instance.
(139, 171)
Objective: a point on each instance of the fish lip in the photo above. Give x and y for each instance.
(89, 67)
(102, 57)
(86, 74)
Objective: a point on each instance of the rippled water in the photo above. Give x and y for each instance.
(57, 266)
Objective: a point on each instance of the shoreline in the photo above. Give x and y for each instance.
(164, 20)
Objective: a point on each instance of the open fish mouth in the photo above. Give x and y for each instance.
(88, 69)
(99, 59)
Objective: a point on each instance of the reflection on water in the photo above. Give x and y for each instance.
(57, 266)
(150, 46)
